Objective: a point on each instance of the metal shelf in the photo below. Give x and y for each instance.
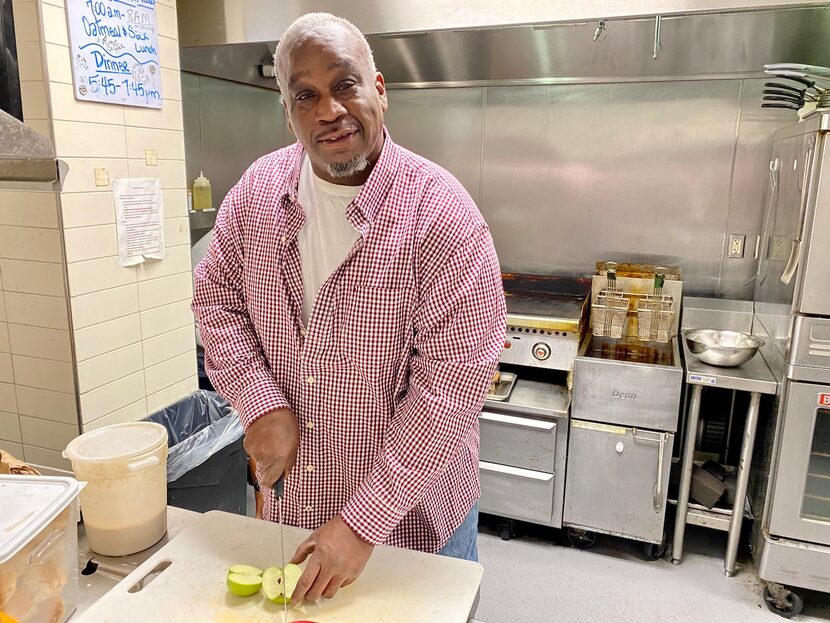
(203, 219)
(713, 518)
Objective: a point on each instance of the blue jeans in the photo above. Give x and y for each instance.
(462, 542)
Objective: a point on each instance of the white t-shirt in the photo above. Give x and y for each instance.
(327, 235)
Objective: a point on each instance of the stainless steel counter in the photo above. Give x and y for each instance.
(753, 376)
(109, 571)
(535, 398)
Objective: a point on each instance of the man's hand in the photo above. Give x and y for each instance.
(338, 556)
(272, 442)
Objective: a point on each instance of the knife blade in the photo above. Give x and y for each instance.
(279, 492)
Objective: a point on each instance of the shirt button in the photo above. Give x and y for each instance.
(309, 424)
(309, 468)
(308, 509)
(284, 238)
(310, 380)
(303, 332)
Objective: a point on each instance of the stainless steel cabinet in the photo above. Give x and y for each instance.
(617, 480)
(516, 493)
(518, 441)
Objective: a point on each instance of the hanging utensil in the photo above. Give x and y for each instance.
(781, 98)
(781, 105)
(816, 70)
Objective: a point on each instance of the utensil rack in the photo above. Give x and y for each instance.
(637, 308)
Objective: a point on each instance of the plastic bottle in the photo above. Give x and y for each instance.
(202, 199)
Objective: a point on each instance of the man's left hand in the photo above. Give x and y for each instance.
(337, 557)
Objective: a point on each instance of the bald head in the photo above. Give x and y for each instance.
(320, 27)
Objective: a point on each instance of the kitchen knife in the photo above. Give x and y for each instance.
(279, 493)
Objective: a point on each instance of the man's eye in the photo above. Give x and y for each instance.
(345, 85)
(302, 96)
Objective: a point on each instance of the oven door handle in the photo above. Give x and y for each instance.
(522, 422)
(661, 439)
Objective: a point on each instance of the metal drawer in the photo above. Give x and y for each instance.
(518, 441)
(516, 493)
(617, 480)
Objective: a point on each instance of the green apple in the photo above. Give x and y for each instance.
(272, 585)
(292, 574)
(243, 585)
(245, 570)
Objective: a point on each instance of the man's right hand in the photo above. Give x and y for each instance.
(272, 442)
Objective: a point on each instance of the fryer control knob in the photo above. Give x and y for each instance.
(541, 351)
(619, 447)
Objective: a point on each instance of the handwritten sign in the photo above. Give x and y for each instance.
(115, 51)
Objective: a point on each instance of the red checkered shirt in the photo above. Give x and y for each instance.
(389, 377)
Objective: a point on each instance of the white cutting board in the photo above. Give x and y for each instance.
(397, 585)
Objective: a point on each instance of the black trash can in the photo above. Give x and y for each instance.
(207, 468)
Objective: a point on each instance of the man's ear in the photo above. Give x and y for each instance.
(380, 87)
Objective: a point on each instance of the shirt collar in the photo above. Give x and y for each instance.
(374, 191)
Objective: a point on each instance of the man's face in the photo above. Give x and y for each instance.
(335, 106)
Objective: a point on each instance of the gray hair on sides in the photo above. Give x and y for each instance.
(307, 26)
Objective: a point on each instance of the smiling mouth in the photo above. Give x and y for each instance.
(337, 138)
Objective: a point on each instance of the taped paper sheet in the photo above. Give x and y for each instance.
(139, 219)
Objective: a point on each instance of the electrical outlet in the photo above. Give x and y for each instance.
(736, 245)
(780, 248)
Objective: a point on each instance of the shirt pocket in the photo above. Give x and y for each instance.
(377, 329)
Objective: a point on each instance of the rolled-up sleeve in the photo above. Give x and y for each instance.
(234, 357)
(459, 334)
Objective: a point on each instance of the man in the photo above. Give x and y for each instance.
(352, 311)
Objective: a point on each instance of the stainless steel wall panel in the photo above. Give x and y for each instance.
(444, 125)
(192, 115)
(631, 172)
(238, 125)
(750, 185)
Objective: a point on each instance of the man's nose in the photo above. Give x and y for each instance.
(329, 109)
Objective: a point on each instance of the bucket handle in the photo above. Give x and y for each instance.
(150, 461)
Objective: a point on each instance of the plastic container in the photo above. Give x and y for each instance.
(125, 501)
(207, 467)
(38, 547)
(202, 199)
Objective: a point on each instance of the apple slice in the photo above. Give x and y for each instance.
(292, 574)
(243, 585)
(245, 570)
(272, 585)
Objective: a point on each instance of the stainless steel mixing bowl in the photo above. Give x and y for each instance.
(726, 349)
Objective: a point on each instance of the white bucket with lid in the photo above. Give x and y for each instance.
(124, 506)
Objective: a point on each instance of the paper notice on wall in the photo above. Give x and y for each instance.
(139, 218)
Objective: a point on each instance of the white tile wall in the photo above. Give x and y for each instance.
(58, 65)
(37, 310)
(89, 243)
(171, 85)
(26, 29)
(66, 108)
(166, 21)
(169, 144)
(168, 117)
(176, 231)
(166, 290)
(170, 372)
(44, 456)
(105, 305)
(170, 172)
(107, 336)
(78, 139)
(98, 371)
(87, 209)
(112, 397)
(43, 374)
(29, 61)
(6, 372)
(131, 413)
(169, 345)
(5, 347)
(40, 342)
(29, 209)
(100, 274)
(41, 126)
(83, 173)
(47, 404)
(169, 53)
(8, 399)
(167, 318)
(32, 277)
(175, 203)
(176, 260)
(30, 243)
(15, 449)
(9, 427)
(160, 400)
(46, 434)
(33, 98)
(54, 25)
